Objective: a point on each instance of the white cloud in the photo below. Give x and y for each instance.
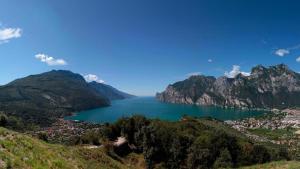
(282, 52)
(210, 60)
(7, 34)
(193, 74)
(49, 60)
(235, 71)
(285, 51)
(298, 59)
(92, 77)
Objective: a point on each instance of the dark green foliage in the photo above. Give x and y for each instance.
(16, 123)
(75, 140)
(43, 136)
(260, 154)
(192, 143)
(3, 119)
(91, 137)
(283, 153)
(224, 160)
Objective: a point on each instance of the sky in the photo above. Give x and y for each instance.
(141, 46)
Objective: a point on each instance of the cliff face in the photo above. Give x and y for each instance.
(266, 87)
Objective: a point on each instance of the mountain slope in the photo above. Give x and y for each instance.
(276, 165)
(40, 98)
(110, 92)
(20, 151)
(272, 87)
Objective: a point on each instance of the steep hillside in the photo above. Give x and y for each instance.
(110, 92)
(19, 151)
(40, 98)
(266, 87)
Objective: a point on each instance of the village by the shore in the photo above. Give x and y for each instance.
(278, 127)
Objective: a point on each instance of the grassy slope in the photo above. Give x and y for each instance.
(276, 165)
(21, 151)
(24, 152)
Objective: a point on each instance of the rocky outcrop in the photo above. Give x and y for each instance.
(266, 87)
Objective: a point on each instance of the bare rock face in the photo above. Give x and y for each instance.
(266, 87)
(173, 96)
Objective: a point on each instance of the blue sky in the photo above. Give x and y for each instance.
(141, 46)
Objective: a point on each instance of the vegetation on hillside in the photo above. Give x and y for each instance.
(190, 143)
(19, 151)
(276, 165)
(153, 144)
(42, 98)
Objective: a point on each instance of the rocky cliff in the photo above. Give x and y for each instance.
(266, 87)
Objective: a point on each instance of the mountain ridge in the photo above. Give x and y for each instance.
(110, 92)
(266, 87)
(41, 98)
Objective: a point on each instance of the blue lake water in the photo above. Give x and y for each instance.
(151, 108)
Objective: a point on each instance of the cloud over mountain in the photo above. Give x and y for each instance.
(235, 71)
(92, 77)
(49, 60)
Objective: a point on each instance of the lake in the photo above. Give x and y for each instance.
(152, 108)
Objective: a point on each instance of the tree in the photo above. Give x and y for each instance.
(3, 119)
(224, 160)
(260, 154)
(43, 136)
(199, 158)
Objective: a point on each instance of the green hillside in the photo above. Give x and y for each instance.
(276, 165)
(19, 151)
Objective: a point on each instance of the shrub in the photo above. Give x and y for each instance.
(3, 119)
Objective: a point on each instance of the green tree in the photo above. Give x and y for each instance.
(224, 160)
(260, 154)
(199, 158)
(43, 136)
(3, 119)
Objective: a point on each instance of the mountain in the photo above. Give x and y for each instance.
(44, 97)
(110, 92)
(266, 87)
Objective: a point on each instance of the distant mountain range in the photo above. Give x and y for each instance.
(266, 87)
(47, 96)
(110, 92)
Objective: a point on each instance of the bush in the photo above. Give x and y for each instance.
(260, 154)
(43, 136)
(3, 119)
(224, 160)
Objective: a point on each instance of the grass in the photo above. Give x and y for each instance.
(19, 151)
(276, 165)
(273, 134)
